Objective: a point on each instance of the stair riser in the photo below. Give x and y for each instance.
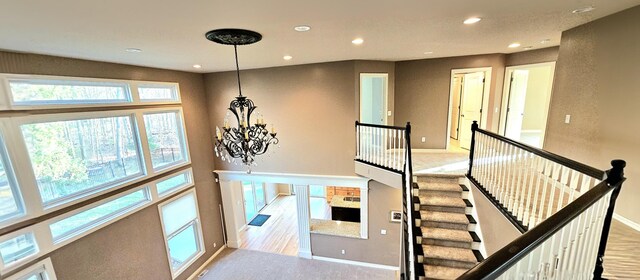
(440, 193)
(460, 210)
(446, 180)
(434, 224)
(449, 263)
(446, 243)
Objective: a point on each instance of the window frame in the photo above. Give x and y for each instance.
(184, 143)
(132, 96)
(43, 266)
(190, 182)
(198, 229)
(101, 222)
(27, 258)
(12, 180)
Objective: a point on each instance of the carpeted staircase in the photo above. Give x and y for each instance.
(449, 243)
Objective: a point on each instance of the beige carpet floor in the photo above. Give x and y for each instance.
(239, 264)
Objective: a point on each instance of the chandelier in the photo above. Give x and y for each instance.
(245, 141)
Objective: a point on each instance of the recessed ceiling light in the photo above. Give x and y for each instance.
(357, 41)
(545, 41)
(302, 28)
(133, 50)
(472, 20)
(528, 48)
(287, 57)
(514, 45)
(197, 66)
(583, 10)
(428, 52)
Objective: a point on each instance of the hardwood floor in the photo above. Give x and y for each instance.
(279, 234)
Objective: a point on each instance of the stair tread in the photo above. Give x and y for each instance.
(442, 272)
(446, 201)
(454, 218)
(449, 253)
(446, 234)
(438, 186)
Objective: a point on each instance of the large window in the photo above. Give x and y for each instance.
(10, 202)
(174, 183)
(166, 138)
(39, 92)
(73, 157)
(182, 231)
(18, 248)
(43, 270)
(92, 217)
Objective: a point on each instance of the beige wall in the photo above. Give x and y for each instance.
(271, 190)
(597, 83)
(312, 107)
(124, 249)
(533, 56)
(378, 249)
(422, 95)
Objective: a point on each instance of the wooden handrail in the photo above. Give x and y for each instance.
(381, 126)
(580, 167)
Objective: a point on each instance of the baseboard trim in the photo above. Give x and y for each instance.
(372, 265)
(627, 222)
(206, 263)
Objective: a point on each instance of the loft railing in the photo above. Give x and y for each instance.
(527, 184)
(389, 148)
(381, 146)
(570, 244)
(562, 206)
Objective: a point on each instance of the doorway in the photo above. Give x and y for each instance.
(373, 98)
(468, 103)
(525, 105)
(254, 199)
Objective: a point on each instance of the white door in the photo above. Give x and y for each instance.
(470, 106)
(516, 105)
(373, 95)
(455, 105)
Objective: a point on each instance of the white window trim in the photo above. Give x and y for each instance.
(198, 224)
(7, 103)
(190, 182)
(91, 227)
(14, 185)
(42, 233)
(42, 266)
(25, 176)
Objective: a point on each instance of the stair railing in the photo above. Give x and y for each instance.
(570, 244)
(381, 146)
(527, 184)
(389, 148)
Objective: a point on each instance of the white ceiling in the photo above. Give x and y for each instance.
(171, 33)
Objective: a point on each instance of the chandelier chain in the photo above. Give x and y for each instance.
(235, 48)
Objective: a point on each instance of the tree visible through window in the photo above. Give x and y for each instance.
(166, 141)
(71, 157)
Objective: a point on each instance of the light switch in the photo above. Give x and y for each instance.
(383, 231)
(567, 119)
(424, 139)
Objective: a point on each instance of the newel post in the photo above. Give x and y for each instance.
(615, 177)
(474, 128)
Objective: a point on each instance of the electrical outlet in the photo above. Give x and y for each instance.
(389, 113)
(567, 119)
(343, 252)
(383, 231)
(424, 139)
(215, 245)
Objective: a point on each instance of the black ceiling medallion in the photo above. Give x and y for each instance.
(244, 141)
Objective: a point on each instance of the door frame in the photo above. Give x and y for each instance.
(385, 95)
(485, 98)
(506, 93)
